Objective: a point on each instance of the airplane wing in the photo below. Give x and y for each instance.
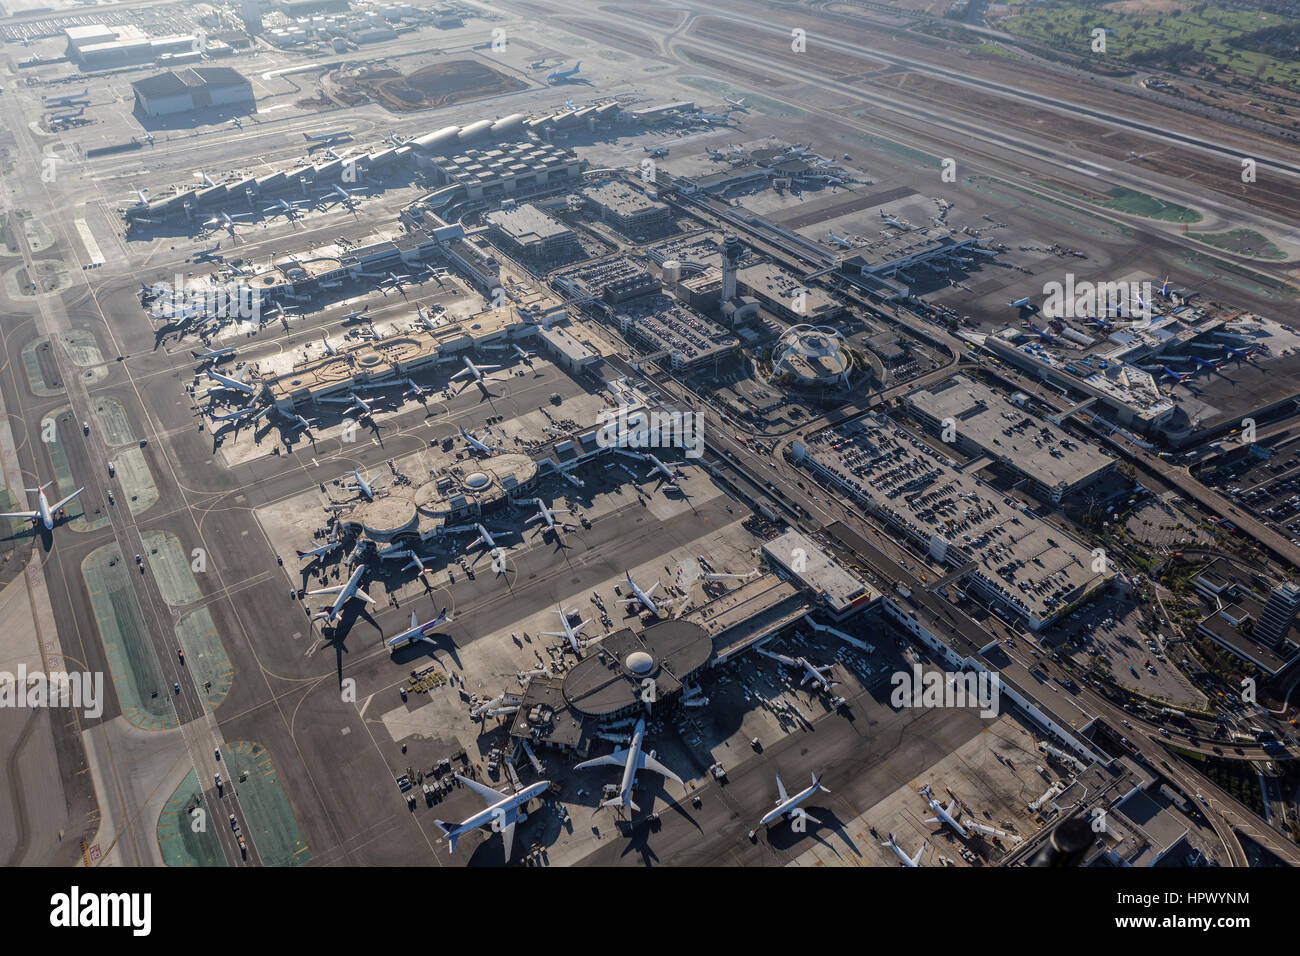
(334, 590)
(651, 590)
(617, 759)
(54, 508)
(781, 795)
(363, 595)
(463, 371)
(486, 793)
(21, 514)
(508, 830)
(648, 762)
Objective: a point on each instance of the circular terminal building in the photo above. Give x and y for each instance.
(815, 355)
(619, 673)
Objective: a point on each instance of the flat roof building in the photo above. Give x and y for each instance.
(528, 233)
(195, 88)
(628, 209)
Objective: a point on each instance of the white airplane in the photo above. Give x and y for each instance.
(329, 349)
(45, 512)
(736, 104)
(839, 240)
(398, 141)
(290, 209)
(485, 539)
(326, 139)
(944, 814)
(237, 122)
(708, 117)
(201, 175)
(816, 674)
(523, 355)
(788, 806)
(68, 99)
(225, 221)
(424, 320)
(570, 631)
(216, 355)
(367, 489)
(203, 255)
(417, 390)
(323, 550)
(632, 758)
(375, 334)
(896, 223)
(355, 403)
(502, 812)
(353, 316)
(562, 75)
(475, 372)
(140, 198)
(906, 860)
(475, 444)
(546, 514)
(656, 151)
(302, 424)
(735, 149)
(639, 596)
(1020, 303)
(715, 153)
(337, 193)
(345, 592)
(417, 632)
(233, 384)
(665, 473)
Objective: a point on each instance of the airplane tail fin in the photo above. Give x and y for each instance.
(447, 829)
(817, 782)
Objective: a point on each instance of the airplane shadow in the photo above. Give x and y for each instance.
(784, 836)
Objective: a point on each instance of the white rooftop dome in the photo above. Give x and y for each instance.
(477, 480)
(639, 662)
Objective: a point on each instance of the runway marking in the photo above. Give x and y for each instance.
(362, 712)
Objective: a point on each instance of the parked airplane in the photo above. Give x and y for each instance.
(329, 349)
(906, 860)
(424, 320)
(475, 372)
(788, 806)
(735, 149)
(839, 240)
(203, 177)
(337, 193)
(213, 357)
(523, 355)
(666, 475)
(1035, 330)
(656, 150)
(68, 99)
(571, 631)
(140, 198)
(502, 812)
(1020, 303)
(1167, 372)
(546, 514)
(944, 814)
(485, 539)
(45, 513)
(1205, 363)
(345, 592)
(70, 115)
(417, 632)
(639, 596)
(715, 153)
(475, 444)
(302, 424)
(632, 758)
(375, 334)
(562, 75)
(736, 104)
(1099, 323)
(323, 550)
(225, 220)
(290, 209)
(234, 384)
(203, 255)
(1239, 354)
(320, 140)
(365, 488)
(417, 390)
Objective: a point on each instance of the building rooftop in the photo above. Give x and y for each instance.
(612, 678)
(816, 570)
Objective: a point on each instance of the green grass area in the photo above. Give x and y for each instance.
(1199, 34)
(187, 840)
(205, 656)
(35, 380)
(1246, 242)
(114, 423)
(1140, 204)
(136, 479)
(270, 822)
(142, 689)
(995, 50)
(170, 564)
(78, 519)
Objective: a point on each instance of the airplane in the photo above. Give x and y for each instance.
(568, 105)
(225, 221)
(337, 193)
(502, 812)
(1099, 323)
(71, 114)
(45, 513)
(537, 65)
(1165, 291)
(839, 241)
(815, 674)
(393, 281)
(570, 631)
(546, 514)
(318, 552)
(735, 104)
(632, 758)
(398, 141)
(788, 806)
(329, 349)
(1205, 363)
(290, 209)
(523, 355)
(735, 149)
(475, 444)
(639, 596)
(702, 116)
(656, 151)
(345, 592)
(416, 390)
(907, 861)
(475, 372)
(201, 175)
(203, 255)
(236, 122)
(228, 382)
(302, 424)
(424, 319)
(353, 316)
(666, 474)
(944, 814)
(715, 153)
(375, 333)
(1239, 354)
(417, 632)
(213, 357)
(485, 539)
(70, 99)
(319, 140)
(1034, 330)
(1020, 303)
(1167, 372)
(562, 75)
(366, 488)
(354, 402)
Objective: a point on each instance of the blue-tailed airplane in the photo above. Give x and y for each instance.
(1205, 363)
(1239, 354)
(501, 813)
(943, 814)
(1035, 330)
(1178, 377)
(1020, 303)
(788, 806)
(641, 597)
(417, 632)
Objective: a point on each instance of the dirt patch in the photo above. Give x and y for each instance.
(826, 61)
(441, 84)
